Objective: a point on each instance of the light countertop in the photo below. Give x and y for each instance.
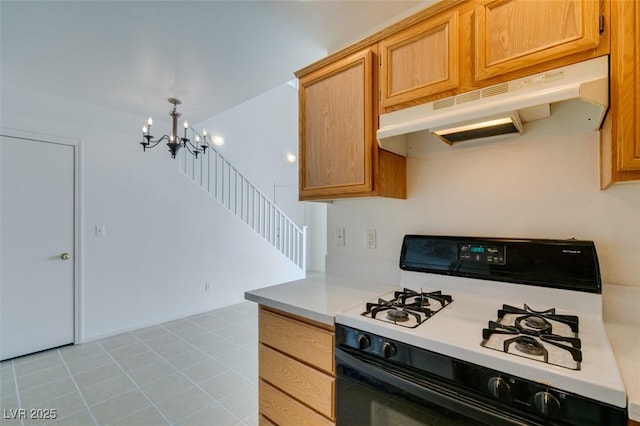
(320, 296)
(621, 305)
(624, 340)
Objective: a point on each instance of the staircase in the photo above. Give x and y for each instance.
(216, 176)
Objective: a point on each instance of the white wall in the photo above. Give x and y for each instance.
(541, 185)
(258, 134)
(164, 236)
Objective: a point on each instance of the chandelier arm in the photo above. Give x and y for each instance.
(156, 142)
(149, 144)
(192, 149)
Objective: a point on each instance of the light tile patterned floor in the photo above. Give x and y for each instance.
(201, 370)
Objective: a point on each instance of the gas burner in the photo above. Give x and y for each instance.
(422, 298)
(407, 308)
(536, 322)
(529, 346)
(533, 324)
(397, 315)
(540, 335)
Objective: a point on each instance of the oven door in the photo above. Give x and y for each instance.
(370, 393)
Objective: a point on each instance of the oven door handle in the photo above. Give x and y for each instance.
(431, 392)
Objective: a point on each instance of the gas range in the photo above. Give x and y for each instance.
(509, 310)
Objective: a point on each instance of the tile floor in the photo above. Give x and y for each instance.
(200, 370)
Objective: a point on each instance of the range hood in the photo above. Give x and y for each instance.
(503, 108)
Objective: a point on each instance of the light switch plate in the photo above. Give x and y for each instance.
(371, 238)
(340, 237)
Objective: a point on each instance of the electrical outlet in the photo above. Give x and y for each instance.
(371, 238)
(207, 286)
(340, 237)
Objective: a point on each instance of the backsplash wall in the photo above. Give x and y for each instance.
(543, 184)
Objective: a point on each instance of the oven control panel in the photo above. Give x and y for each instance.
(482, 253)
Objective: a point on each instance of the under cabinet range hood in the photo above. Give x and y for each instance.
(503, 108)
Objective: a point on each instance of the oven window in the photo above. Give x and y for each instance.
(365, 401)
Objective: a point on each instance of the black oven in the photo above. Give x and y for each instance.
(373, 393)
(385, 382)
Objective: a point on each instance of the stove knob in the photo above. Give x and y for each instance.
(388, 350)
(499, 388)
(546, 404)
(363, 341)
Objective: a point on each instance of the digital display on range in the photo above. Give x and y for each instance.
(482, 253)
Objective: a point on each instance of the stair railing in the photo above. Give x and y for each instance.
(214, 174)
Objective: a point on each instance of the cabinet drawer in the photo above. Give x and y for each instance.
(310, 386)
(263, 421)
(303, 341)
(284, 410)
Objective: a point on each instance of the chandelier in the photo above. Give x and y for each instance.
(174, 142)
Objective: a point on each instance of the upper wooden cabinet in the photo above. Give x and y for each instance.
(620, 135)
(514, 34)
(339, 155)
(454, 47)
(420, 60)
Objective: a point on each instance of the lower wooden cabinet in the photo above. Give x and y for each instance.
(296, 370)
(263, 421)
(284, 410)
(300, 340)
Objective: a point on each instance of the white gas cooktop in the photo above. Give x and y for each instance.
(456, 331)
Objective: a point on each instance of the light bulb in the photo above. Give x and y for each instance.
(204, 132)
(144, 130)
(150, 121)
(291, 157)
(186, 125)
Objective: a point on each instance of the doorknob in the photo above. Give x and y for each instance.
(64, 256)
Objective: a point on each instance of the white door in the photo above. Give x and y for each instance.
(37, 246)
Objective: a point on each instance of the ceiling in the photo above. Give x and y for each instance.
(131, 56)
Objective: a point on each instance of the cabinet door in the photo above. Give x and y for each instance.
(514, 34)
(620, 136)
(420, 60)
(336, 128)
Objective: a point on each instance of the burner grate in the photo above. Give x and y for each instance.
(540, 335)
(408, 308)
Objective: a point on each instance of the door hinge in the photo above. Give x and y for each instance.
(601, 24)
